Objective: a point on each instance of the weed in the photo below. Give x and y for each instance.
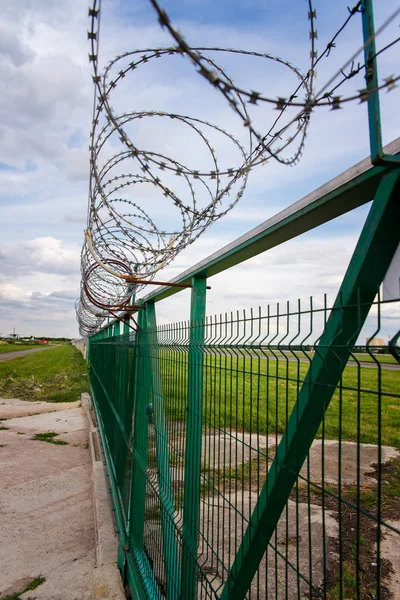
(152, 513)
(3, 445)
(2, 428)
(31, 586)
(152, 460)
(49, 437)
(34, 584)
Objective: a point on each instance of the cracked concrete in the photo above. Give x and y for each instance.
(46, 514)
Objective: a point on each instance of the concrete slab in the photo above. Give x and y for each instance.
(301, 532)
(61, 421)
(13, 407)
(297, 528)
(18, 586)
(46, 515)
(235, 449)
(107, 583)
(23, 459)
(329, 452)
(390, 549)
(222, 523)
(228, 451)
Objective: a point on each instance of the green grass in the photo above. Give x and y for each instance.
(4, 348)
(257, 395)
(384, 359)
(34, 584)
(387, 359)
(53, 376)
(49, 437)
(29, 588)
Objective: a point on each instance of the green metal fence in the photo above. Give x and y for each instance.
(255, 454)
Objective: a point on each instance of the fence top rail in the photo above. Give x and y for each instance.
(347, 191)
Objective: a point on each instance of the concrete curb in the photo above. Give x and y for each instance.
(107, 582)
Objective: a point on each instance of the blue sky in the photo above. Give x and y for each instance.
(46, 108)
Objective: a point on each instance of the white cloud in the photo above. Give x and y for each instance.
(14, 49)
(41, 255)
(77, 164)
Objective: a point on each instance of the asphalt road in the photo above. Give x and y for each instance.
(8, 355)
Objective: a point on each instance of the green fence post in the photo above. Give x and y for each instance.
(191, 496)
(373, 254)
(125, 410)
(140, 435)
(126, 327)
(378, 157)
(170, 548)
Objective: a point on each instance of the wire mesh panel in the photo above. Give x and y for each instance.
(338, 535)
(113, 380)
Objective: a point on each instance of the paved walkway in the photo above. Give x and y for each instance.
(8, 355)
(46, 514)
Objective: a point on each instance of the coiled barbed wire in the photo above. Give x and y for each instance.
(147, 205)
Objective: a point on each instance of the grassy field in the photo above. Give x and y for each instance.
(53, 376)
(17, 347)
(384, 359)
(258, 395)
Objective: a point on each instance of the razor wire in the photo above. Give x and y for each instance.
(127, 240)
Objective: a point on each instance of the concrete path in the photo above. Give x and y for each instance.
(8, 355)
(13, 407)
(46, 514)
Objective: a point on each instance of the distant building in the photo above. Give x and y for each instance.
(43, 341)
(375, 341)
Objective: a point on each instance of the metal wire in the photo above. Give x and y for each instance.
(127, 240)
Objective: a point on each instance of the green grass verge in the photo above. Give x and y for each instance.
(52, 376)
(4, 348)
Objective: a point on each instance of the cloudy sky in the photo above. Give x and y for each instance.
(46, 111)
